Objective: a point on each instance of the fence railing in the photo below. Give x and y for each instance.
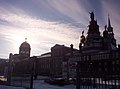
(98, 74)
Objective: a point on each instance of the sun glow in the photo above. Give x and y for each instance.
(40, 34)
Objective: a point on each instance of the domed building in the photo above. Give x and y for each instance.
(24, 50)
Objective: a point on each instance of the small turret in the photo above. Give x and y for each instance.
(105, 32)
(82, 40)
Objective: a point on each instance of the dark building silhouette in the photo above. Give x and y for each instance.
(98, 58)
(51, 63)
(94, 42)
(21, 63)
(58, 53)
(3, 68)
(24, 52)
(43, 64)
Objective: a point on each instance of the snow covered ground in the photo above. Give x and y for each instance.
(40, 84)
(10, 87)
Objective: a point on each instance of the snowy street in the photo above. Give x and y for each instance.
(42, 85)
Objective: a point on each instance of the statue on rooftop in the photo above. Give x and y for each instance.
(92, 15)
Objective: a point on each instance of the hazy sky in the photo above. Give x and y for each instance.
(49, 22)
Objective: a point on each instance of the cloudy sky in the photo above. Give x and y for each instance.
(49, 22)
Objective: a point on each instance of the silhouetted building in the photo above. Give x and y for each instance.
(20, 63)
(43, 64)
(96, 52)
(94, 42)
(3, 64)
(52, 63)
(24, 52)
(58, 53)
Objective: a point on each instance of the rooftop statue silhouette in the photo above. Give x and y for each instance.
(92, 15)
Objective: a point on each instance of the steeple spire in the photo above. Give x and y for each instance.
(110, 33)
(110, 28)
(109, 24)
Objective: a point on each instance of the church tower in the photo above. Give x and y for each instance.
(111, 34)
(93, 40)
(109, 42)
(24, 50)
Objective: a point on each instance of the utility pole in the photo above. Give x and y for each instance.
(78, 76)
(32, 59)
(67, 70)
(31, 79)
(9, 69)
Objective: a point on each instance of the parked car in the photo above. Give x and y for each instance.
(56, 81)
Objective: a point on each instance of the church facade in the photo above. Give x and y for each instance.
(94, 42)
(98, 59)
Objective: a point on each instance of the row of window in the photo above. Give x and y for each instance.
(26, 52)
(101, 56)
